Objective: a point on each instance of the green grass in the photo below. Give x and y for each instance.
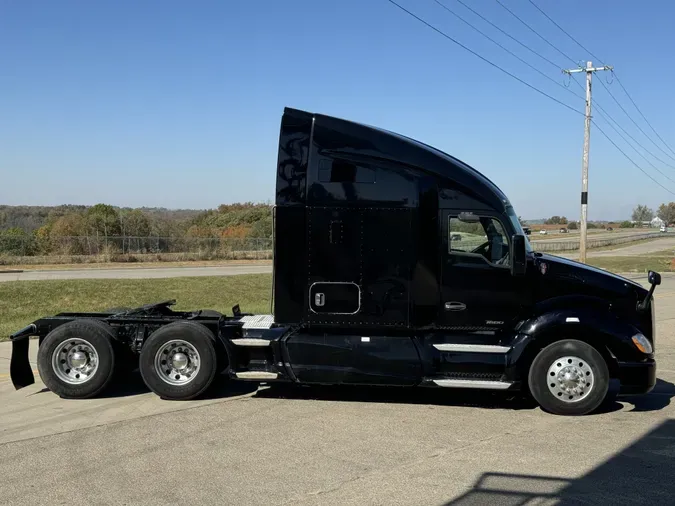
(670, 252)
(633, 263)
(626, 245)
(22, 302)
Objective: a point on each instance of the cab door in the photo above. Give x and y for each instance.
(478, 290)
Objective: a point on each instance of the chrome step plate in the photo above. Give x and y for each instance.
(472, 348)
(256, 375)
(467, 383)
(251, 341)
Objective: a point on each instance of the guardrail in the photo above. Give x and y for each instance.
(553, 245)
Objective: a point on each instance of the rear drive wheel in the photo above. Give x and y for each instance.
(76, 360)
(178, 361)
(569, 377)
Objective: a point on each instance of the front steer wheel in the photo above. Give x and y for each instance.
(569, 377)
(178, 361)
(76, 360)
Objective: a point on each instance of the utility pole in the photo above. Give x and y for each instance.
(584, 162)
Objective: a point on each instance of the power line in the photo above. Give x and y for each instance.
(615, 75)
(610, 117)
(483, 58)
(536, 33)
(643, 116)
(635, 149)
(633, 121)
(630, 159)
(506, 49)
(563, 31)
(509, 35)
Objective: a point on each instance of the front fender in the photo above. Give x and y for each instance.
(610, 336)
(599, 328)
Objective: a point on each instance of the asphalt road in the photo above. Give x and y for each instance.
(336, 446)
(137, 273)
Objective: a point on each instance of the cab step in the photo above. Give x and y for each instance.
(256, 375)
(472, 383)
(254, 342)
(471, 348)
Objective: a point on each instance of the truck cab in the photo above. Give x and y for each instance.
(401, 265)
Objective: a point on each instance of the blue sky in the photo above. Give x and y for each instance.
(177, 104)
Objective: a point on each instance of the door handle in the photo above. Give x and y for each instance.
(455, 306)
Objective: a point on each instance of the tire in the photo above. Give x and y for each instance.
(569, 377)
(189, 339)
(59, 363)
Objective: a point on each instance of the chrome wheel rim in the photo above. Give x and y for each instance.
(177, 362)
(75, 361)
(570, 379)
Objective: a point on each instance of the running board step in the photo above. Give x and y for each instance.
(256, 375)
(472, 348)
(251, 341)
(470, 383)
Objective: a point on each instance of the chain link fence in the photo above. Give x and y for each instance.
(133, 248)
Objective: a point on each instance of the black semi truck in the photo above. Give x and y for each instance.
(394, 264)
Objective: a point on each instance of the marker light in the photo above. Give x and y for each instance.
(642, 344)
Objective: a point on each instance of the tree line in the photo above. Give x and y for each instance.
(641, 215)
(665, 212)
(41, 230)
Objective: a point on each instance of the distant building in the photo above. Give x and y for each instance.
(656, 222)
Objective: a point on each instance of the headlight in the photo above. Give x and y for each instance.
(642, 344)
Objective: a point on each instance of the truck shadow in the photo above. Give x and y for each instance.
(220, 389)
(133, 384)
(399, 395)
(639, 474)
(656, 400)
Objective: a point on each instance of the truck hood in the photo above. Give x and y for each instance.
(592, 277)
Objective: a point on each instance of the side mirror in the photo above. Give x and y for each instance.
(654, 278)
(518, 255)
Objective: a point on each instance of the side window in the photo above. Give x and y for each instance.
(479, 236)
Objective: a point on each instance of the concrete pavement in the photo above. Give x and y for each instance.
(138, 273)
(337, 446)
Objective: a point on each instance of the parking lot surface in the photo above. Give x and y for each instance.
(337, 446)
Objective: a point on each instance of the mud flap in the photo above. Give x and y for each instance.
(19, 368)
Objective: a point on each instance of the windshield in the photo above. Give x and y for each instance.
(515, 222)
